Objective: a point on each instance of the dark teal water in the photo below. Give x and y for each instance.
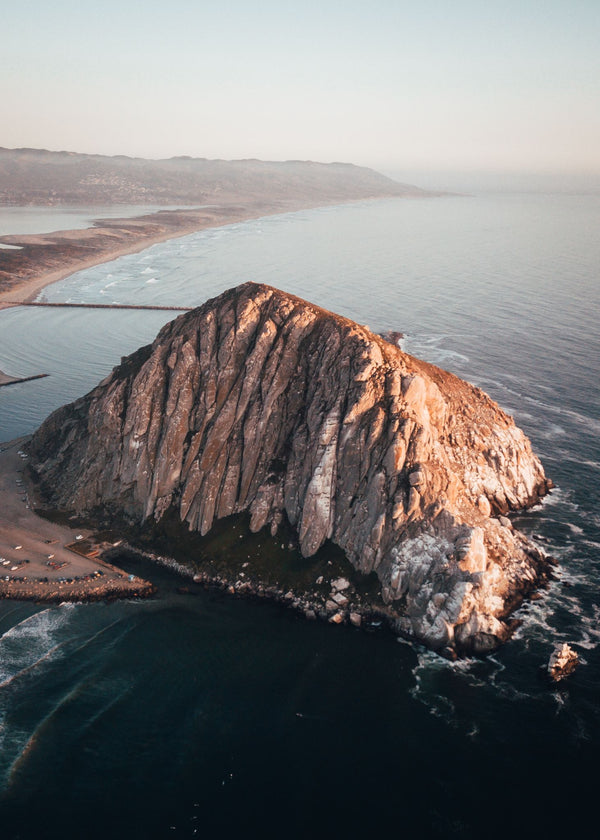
(195, 715)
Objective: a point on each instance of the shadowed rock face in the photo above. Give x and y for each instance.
(259, 401)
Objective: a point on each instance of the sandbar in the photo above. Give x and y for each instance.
(35, 561)
(43, 259)
(5, 379)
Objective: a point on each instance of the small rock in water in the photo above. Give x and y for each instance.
(563, 662)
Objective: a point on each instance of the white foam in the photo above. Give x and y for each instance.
(31, 642)
(430, 664)
(551, 432)
(575, 528)
(559, 496)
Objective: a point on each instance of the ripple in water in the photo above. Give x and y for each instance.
(190, 707)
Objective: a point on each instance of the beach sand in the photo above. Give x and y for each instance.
(25, 536)
(5, 379)
(43, 259)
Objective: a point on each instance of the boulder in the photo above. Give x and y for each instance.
(563, 661)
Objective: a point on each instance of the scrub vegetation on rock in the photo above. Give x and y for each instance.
(259, 401)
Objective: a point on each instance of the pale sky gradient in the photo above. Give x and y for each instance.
(435, 85)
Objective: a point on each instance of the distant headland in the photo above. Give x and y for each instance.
(208, 193)
(46, 178)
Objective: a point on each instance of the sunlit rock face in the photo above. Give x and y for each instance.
(259, 401)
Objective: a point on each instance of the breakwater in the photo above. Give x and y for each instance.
(18, 380)
(99, 306)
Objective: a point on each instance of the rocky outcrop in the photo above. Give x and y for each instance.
(563, 661)
(259, 401)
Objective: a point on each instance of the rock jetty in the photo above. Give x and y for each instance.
(259, 401)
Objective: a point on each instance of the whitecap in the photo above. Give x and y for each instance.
(551, 431)
(559, 496)
(449, 356)
(153, 280)
(591, 516)
(589, 638)
(429, 664)
(31, 642)
(575, 528)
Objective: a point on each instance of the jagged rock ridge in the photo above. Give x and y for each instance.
(259, 401)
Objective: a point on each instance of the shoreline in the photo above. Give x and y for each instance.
(44, 259)
(40, 261)
(43, 561)
(336, 602)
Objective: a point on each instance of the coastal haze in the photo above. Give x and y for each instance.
(223, 192)
(432, 173)
(184, 709)
(505, 88)
(40, 177)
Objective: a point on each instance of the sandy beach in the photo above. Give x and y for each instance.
(36, 562)
(43, 259)
(5, 379)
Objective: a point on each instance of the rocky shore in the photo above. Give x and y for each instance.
(333, 598)
(261, 403)
(56, 592)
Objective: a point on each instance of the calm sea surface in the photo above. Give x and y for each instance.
(199, 716)
(20, 220)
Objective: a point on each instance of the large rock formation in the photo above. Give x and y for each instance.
(259, 401)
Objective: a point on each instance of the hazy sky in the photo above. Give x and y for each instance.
(420, 85)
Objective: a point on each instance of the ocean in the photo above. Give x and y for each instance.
(193, 714)
(32, 219)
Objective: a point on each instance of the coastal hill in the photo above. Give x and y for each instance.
(262, 404)
(40, 177)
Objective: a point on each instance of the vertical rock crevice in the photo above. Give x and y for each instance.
(259, 401)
